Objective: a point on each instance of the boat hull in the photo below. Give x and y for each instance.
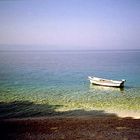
(106, 82)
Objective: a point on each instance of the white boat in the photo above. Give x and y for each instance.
(106, 82)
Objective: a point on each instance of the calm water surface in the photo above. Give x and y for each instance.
(59, 79)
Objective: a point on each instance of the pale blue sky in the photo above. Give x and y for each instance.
(70, 24)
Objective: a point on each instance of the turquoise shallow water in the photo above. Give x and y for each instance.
(46, 82)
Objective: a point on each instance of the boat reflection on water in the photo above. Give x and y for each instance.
(106, 88)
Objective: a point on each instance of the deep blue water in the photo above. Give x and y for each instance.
(61, 78)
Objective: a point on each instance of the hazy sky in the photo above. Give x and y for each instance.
(70, 24)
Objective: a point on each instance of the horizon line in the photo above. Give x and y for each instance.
(26, 50)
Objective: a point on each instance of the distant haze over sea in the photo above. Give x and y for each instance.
(5, 47)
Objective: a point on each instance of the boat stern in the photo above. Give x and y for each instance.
(122, 84)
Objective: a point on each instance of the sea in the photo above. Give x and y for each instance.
(54, 83)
